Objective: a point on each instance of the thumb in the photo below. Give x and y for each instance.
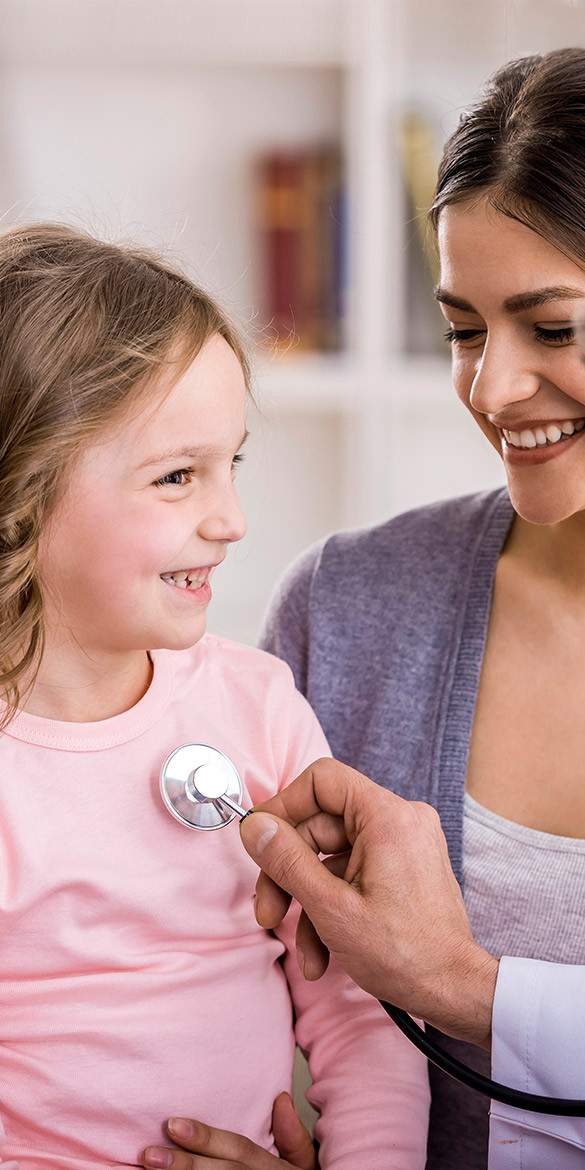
(282, 854)
(293, 1141)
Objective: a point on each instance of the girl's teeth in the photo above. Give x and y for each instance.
(543, 436)
(183, 580)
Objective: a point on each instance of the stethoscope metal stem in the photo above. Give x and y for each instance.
(235, 807)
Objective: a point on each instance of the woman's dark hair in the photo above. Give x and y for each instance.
(523, 145)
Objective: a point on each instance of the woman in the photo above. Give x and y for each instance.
(443, 652)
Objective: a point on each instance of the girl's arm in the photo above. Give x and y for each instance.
(370, 1084)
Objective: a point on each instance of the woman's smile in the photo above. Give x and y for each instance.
(537, 442)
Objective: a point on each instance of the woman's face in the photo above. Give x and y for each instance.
(511, 300)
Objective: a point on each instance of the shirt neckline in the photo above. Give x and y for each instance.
(535, 837)
(103, 733)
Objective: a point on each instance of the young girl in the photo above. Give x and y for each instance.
(136, 983)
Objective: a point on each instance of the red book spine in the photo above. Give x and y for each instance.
(300, 235)
(282, 234)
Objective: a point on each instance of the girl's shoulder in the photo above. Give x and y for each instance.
(247, 696)
(233, 665)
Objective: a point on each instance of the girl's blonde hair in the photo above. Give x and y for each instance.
(85, 327)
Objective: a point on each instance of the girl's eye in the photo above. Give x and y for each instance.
(462, 335)
(561, 336)
(175, 478)
(238, 460)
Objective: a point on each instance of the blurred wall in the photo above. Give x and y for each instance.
(142, 119)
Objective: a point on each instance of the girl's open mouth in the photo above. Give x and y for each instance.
(192, 579)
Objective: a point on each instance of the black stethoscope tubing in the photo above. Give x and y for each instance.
(529, 1102)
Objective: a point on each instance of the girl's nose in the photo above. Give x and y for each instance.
(505, 375)
(224, 519)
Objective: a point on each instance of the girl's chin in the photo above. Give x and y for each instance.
(182, 639)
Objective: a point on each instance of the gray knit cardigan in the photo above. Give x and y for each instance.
(384, 630)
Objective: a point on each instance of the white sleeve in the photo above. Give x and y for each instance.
(538, 1045)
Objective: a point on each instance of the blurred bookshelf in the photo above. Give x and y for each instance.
(174, 121)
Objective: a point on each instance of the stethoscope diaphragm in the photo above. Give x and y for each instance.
(201, 787)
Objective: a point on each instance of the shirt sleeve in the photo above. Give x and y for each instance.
(370, 1084)
(538, 1045)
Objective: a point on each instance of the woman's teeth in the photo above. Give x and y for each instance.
(185, 580)
(543, 436)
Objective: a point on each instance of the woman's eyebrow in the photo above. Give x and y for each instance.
(518, 303)
(186, 453)
(447, 298)
(541, 296)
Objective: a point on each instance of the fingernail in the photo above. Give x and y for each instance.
(301, 960)
(158, 1158)
(291, 1103)
(257, 830)
(180, 1127)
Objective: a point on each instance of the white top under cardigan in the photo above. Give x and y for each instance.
(524, 893)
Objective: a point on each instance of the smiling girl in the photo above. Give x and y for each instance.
(135, 982)
(460, 628)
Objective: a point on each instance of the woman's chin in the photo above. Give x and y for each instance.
(544, 508)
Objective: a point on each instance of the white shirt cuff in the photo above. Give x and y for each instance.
(538, 1045)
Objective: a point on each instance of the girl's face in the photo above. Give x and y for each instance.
(150, 511)
(511, 300)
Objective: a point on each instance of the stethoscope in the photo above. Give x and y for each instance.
(202, 789)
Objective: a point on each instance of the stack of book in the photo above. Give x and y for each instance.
(301, 225)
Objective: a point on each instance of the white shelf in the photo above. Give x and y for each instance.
(307, 384)
(166, 33)
(321, 384)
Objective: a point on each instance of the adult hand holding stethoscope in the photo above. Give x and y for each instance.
(385, 903)
(395, 920)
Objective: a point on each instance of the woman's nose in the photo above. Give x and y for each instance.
(505, 375)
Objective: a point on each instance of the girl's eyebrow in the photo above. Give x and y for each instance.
(518, 303)
(187, 453)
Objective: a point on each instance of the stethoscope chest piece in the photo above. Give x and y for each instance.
(198, 784)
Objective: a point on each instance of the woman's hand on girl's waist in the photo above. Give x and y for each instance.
(209, 1147)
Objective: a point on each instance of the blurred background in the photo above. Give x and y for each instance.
(283, 152)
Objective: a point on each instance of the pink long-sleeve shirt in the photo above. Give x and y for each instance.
(135, 981)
